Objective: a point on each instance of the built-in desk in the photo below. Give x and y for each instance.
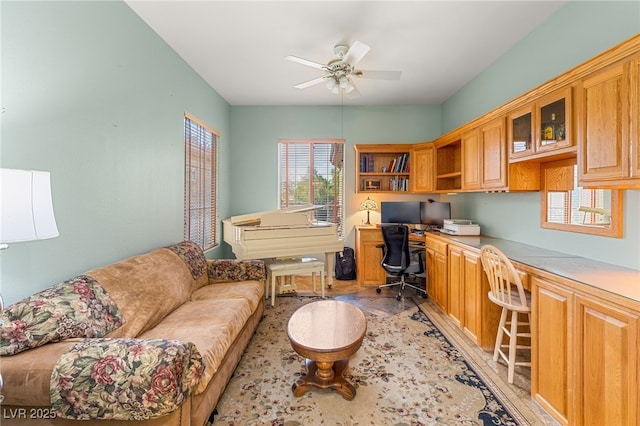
(585, 323)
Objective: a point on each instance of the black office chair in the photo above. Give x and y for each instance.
(397, 259)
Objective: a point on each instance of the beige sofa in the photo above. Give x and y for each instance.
(150, 340)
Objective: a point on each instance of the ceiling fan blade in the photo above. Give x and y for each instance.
(304, 62)
(310, 83)
(377, 75)
(355, 53)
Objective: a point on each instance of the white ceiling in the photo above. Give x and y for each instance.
(239, 47)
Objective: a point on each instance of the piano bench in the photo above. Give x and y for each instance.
(289, 267)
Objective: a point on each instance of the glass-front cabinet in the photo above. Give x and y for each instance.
(541, 126)
(521, 132)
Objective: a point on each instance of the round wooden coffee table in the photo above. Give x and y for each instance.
(326, 333)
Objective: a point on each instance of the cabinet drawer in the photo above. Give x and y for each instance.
(436, 245)
(372, 235)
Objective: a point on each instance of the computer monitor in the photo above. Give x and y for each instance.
(406, 212)
(434, 213)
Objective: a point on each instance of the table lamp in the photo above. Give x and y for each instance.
(368, 204)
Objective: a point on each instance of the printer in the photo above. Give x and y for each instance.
(460, 227)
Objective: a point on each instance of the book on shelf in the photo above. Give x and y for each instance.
(400, 164)
(399, 184)
(366, 163)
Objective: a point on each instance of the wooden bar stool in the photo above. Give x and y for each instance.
(507, 291)
(290, 267)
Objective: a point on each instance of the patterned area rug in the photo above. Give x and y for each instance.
(406, 373)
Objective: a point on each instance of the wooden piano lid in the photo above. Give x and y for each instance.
(278, 217)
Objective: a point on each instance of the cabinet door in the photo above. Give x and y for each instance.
(369, 256)
(430, 265)
(494, 155)
(606, 364)
(553, 117)
(603, 129)
(437, 274)
(635, 118)
(520, 132)
(472, 300)
(551, 321)
(471, 160)
(456, 286)
(422, 160)
(441, 281)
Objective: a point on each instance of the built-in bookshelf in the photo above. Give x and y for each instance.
(449, 166)
(382, 168)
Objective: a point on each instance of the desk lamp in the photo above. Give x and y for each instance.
(368, 204)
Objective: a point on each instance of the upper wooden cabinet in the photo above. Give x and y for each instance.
(521, 132)
(607, 126)
(383, 167)
(484, 157)
(553, 120)
(494, 155)
(421, 171)
(471, 160)
(635, 117)
(592, 109)
(542, 127)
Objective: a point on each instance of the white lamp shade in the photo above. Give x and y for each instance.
(26, 208)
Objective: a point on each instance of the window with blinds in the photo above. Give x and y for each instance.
(311, 172)
(200, 176)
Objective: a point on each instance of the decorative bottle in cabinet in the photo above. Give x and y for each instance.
(549, 130)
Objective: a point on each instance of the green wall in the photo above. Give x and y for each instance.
(93, 95)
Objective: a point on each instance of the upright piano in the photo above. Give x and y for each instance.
(282, 233)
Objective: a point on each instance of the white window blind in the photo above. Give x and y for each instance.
(311, 172)
(200, 190)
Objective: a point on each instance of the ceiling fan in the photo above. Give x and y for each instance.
(339, 72)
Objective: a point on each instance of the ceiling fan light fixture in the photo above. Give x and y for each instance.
(340, 71)
(349, 88)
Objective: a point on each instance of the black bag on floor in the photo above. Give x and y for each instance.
(345, 264)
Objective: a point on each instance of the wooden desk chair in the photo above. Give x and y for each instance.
(507, 291)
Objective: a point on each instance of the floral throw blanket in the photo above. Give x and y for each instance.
(124, 379)
(79, 307)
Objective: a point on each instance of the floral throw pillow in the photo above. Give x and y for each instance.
(237, 270)
(79, 307)
(192, 255)
(124, 379)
